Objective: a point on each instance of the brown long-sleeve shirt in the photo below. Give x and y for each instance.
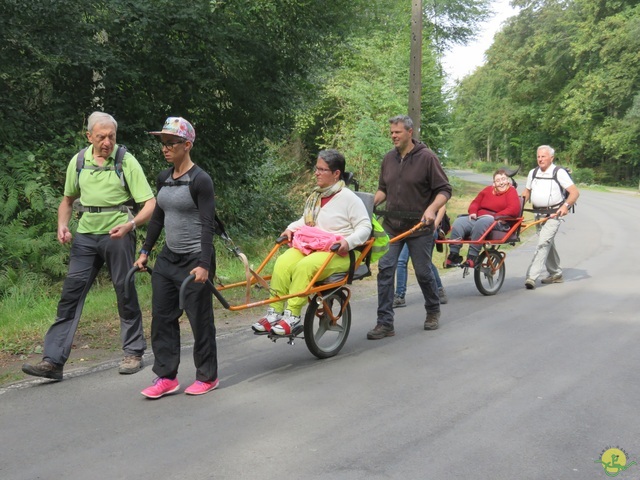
(410, 185)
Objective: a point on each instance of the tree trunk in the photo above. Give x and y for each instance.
(415, 67)
(488, 148)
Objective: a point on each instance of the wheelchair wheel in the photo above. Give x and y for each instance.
(487, 281)
(323, 337)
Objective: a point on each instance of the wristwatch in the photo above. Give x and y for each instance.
(566, 204)
(145, 252)
(133, 222)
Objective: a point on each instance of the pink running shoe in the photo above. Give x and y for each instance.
(161, 387)
(200, 388)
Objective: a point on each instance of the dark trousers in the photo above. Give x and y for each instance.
(168, 274)
(420, 249)
(88, 254)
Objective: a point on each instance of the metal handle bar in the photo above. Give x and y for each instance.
(214, 290)
(415, 228)
(128, 280)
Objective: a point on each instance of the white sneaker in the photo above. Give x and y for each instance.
(265, 323)
(285, 324)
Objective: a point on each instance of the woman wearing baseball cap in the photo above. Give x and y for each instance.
(185, 210)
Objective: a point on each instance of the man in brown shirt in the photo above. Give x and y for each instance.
(414, 186)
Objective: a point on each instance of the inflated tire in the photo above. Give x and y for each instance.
(488, 281)
(323, 338)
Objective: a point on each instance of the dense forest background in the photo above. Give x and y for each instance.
(267, 83)
(564, 73)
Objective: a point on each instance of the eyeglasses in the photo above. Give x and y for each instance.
(321, 170)
(170, 145)
(500, 180)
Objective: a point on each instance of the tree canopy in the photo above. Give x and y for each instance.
(564, 73)
(266, 83)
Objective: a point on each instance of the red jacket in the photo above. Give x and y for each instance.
(487, 202)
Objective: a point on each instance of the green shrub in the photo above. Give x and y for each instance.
(585, 176)
(485, 167)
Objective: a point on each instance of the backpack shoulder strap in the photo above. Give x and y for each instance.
(120, 153)
(555, 172)
(217, 223)
(535, 172)
(194, 173)
(555, 176)
(80, 165)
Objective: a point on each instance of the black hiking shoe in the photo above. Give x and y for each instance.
(130, 364)
(432, 321)
(453, 260)
(380, 331)
(399, 302)
(43, 369)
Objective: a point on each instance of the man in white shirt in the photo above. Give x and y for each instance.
(545, 190)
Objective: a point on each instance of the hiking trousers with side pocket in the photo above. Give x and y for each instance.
(89, 253)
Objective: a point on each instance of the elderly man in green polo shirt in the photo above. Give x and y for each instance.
(104, 181)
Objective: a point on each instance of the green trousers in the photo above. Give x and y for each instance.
(293, 271)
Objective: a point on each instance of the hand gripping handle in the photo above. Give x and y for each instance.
(128, 280)
(214, 290)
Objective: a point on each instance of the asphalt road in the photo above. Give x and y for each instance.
(522, 385)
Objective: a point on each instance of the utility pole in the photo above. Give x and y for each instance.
(415, 68)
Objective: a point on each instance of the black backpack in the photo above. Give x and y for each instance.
(129, 205)
(117, 165)
(217, 223)
(565, 193)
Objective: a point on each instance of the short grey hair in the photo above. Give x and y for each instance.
(334, 159)
(99, 118)
(403, 119)
(551, 151)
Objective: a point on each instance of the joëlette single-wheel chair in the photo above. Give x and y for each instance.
(490, 270)
(327, 320)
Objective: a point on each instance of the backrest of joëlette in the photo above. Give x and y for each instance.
(367, 199)
(512, 174)
(380, 238)
(363, 270)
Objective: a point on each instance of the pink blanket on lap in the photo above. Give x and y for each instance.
(312, 239)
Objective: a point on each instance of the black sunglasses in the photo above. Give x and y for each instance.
(170, 145)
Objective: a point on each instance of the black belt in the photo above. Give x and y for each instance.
(89, 209)
(543, 210)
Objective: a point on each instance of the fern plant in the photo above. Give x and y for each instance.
(30, 191)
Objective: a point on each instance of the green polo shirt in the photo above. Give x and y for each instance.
(103, 189)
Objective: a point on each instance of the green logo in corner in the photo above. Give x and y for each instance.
(614, 461)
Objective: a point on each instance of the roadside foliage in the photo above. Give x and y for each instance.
(266, 83)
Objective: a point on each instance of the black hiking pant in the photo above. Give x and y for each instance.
(168, 274)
